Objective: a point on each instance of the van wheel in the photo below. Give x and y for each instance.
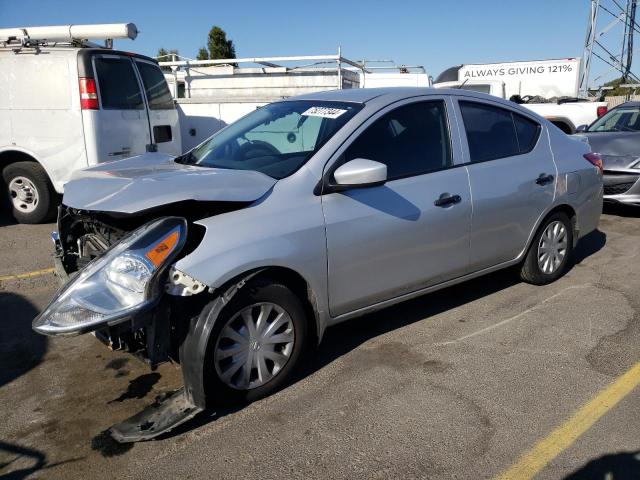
(550, 251)
(255, 344)
(30, 193)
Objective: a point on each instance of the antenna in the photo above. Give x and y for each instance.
(608, 45)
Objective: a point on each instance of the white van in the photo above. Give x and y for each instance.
(66, 106)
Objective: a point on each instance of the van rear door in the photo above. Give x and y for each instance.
(163, 117)
(120, 127)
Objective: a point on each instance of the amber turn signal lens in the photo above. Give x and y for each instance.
(161, 250)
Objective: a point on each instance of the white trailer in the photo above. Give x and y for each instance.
(548, 87)
(544, 78)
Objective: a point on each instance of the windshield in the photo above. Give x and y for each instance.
(276, 139)
(625, 119)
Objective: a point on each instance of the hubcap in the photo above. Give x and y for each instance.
(254, 346)
(552, 247)
(24, 194)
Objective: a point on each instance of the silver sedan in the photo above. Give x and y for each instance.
(234, 258)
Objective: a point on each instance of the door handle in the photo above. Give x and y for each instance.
(543, 179)
(445, 200)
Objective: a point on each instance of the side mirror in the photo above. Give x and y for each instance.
(582, 128)
(359, 173)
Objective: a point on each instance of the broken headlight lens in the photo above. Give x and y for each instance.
(118, 284)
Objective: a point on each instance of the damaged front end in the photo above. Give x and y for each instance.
(117, 285)
(153, 329)
(121, 285)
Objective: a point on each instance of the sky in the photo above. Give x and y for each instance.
(434, 33)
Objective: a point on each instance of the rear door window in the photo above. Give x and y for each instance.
(155, 86)
(494, 132)
(117, 83)
(491, 133)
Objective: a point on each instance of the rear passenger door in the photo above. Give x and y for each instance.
(413, 231)
(163, 116)
(512, 176)
(120, 127)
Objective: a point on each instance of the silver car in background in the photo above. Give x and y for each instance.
(616, 137)
(234, 258)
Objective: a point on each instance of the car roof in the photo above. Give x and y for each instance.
(364, 95)
(390, 94)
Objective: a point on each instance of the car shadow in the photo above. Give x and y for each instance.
(21, 349)
(345, 337)
(588, 245)
(614, 466)
(621, 210)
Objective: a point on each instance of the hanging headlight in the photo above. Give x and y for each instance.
(118, 284)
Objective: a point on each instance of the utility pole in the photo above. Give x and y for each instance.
(608, 45)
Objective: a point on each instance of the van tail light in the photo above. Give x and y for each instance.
(88, 94)
(595, 159)
(600, 111)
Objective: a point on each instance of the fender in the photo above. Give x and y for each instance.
(194, 347)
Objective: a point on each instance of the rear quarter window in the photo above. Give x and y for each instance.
(527, 131)
(117, 84)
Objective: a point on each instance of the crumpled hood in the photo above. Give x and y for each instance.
(618, 149)
(153, 179)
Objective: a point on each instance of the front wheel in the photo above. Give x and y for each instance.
(550, 251)
(255, 344)
(30, 193)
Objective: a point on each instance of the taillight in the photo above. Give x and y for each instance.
(88, 94)
(601, 110)
(594, 159)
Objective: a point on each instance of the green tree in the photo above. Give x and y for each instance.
(203, 54)
(161, 56)
(617, 89)
(219, 46)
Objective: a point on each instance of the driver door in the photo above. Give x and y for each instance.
(389, 240)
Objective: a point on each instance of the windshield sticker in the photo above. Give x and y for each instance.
(324, 112)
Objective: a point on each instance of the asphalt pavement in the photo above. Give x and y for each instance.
(461, 383)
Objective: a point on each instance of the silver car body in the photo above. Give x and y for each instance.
(620, 152)
(363, 249)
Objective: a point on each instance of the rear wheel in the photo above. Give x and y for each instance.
(29, 193)
(550, 251)
(255, 344)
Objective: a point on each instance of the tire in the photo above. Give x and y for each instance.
(546, 270)
(39, 203)
(253, 297)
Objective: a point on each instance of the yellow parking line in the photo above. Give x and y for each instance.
(19, 276)
(562, 437)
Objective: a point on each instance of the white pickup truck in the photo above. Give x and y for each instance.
(548, 87)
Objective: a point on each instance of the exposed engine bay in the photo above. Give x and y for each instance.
(156, 335)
